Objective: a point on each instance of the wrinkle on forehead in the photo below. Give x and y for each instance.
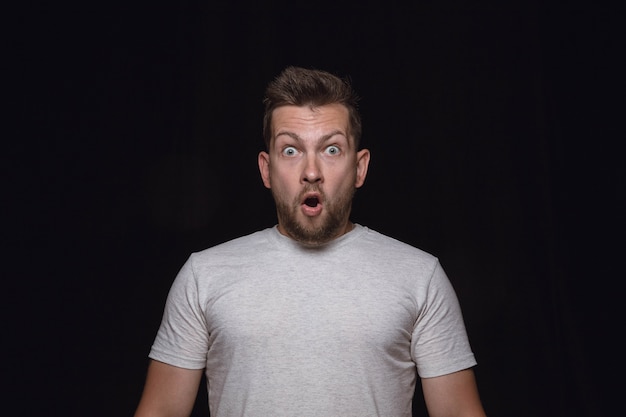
(323, 138)
(321, 122)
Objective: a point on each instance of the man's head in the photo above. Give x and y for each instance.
(307, 87)
(312, 164)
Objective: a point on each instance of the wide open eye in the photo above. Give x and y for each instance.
(333, 150)
(290, 151)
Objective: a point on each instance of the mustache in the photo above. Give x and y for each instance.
(313, 188)
(308, 188)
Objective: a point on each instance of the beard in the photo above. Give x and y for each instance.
(333, 218)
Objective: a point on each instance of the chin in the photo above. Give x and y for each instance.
(310, 235)
(312, 231)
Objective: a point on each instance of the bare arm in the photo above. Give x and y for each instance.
(453, 395)
(169, 391)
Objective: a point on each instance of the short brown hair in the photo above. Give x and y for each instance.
(296, 86)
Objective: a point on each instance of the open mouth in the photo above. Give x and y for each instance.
(311, 201)
(311, 198)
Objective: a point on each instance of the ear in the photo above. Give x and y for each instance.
(264, 168)
(362, 163)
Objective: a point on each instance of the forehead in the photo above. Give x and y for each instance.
(302, 119)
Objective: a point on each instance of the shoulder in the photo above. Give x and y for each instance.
(252, 240)
(388, 246)
(234, 250)
(392, 257)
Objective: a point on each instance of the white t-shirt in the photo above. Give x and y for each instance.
(286, 330)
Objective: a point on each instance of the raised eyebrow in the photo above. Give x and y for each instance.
(290, 134)
(324, 138)
(332, 134)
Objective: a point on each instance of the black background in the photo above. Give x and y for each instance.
(494, 130)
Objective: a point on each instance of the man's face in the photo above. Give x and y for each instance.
(313, 170)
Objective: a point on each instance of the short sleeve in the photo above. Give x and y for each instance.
(439, 343)
(182, 339)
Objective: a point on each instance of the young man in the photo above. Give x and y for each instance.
(316, 316)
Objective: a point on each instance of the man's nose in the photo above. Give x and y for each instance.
(312, 172)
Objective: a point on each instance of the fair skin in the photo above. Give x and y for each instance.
(453, 395)
(312, 169)
(169, 391)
